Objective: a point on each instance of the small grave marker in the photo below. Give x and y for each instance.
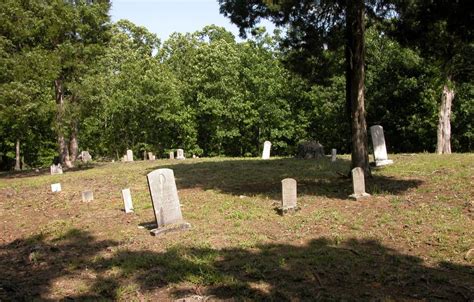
(358, 182)
(56, 187)
(85, 156)
(87, 196)
(127, 200)
(171, 154)
(380, 149)
(266, 150)
(129, 155)
(289, 195)
(56, 169)
(333, 155)
(180, 154)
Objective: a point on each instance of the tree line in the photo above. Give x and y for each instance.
(71, 80)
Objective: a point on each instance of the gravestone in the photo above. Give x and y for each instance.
(124, 158)
(56, 187)
(180, 154)
(288, 192)
(171, 154)
(310, 149)
(165, 200)
(358, 182)
(85, 156)
(144, 155)
(56, 169)
(266, 150)
(87, 196)
(151, 156)
(127, 200)
(380, 149)
(333, 154)
(129, 155)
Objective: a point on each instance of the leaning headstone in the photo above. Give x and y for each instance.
(56, 169)
(171, 154)
(358, 182)
(165, 200)
(333, 154)
(129, 155)
(288, 192)
(56, 187)
(87, 196)
(266, 150)
(380, 149)
(180, 154)
(127, 200)
(85, 156)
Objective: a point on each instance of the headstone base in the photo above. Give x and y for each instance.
(359, 196)
(181, 226)
(287, 211)
(384, 162)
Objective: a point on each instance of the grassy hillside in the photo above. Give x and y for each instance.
(412, 240)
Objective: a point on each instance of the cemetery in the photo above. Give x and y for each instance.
(232, 242)
(227, 150)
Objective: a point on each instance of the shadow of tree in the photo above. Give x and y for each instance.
(320, 270)
(46, 171)
(258, 177)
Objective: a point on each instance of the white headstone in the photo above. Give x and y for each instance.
(127, 200)
(56, 187)
(266, 150)
(180, 154)
(87, 196)
(165, 200)
(151, 156)
(380, 149)
(124, 158)
(171, 154)
(288, 190)
(358, 182)
(333, 154)
(129, 155)
(85, 156)
(56, 169)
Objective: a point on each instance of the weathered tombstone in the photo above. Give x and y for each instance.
(56, 169)
(151, 156)
(180, 154)
(56, 187)
(171, 154)
(85, 156)
(358, 182)
(165, 200)
(310, 149)
(87, 196)
(124, 158)
(333, 154)
(129, 155)
(144, 155)
(380, 149)
(288, 192)
(127, 200)
(266, 150)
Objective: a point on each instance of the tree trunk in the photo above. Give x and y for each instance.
(63, 148)
(73, 143)
(17, 157)
(355, 77)
(444, 121)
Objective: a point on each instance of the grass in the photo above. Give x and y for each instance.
(408, 241)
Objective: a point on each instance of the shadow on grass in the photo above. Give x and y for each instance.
(320, 270)
(258, 177)
(45, 171)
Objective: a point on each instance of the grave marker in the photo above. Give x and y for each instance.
(56, 187)
(129, 155)
(266, 150)
(127, 200)
(289, 193)
(380, 149)
(165, 200)
(56, 169)
(171, 154)
(85, 156)
(180, 154)
(358, 182)
(87, 196)
(333, 155)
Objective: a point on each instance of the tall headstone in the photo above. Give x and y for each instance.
(266, 150)
(145, 155)
(56, 169)
(333, 154)
(380, 149)
(129, 155)
(87, 196)
(127, 200)
(180, 154)
(358, 182)
(56, 187)
(165, 200)
(288, 192)
(171, 154)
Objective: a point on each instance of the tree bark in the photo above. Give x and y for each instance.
(73, 143)
(355, 82)
(443, 145)
(63, 147)
(17, 157)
